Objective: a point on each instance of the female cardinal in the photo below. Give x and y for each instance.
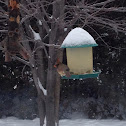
(62, 69)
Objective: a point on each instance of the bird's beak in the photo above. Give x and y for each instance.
(55, 66)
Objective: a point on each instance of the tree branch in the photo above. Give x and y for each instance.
(5, 31)
(21, 60)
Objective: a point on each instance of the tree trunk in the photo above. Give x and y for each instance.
(57, 99)
(37, 61)
(41, 110)
(41, 98)
(60, 36)
(50, 99)
(53, 82)
(42, 77)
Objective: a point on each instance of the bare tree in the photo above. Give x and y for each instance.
(53, 20)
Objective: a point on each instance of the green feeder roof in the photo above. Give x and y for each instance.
(78, 38)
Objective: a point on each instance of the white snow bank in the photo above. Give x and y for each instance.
(12, 121)
(78, 37)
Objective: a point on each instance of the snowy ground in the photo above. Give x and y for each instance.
(11, 121)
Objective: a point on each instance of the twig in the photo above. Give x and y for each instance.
(23, 70)
(45, 44)
(103, 3)
(108, 46)
(21, 60)
(5, 31)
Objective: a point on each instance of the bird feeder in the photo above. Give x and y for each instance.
(79, 53)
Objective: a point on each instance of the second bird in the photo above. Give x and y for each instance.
(62, 69)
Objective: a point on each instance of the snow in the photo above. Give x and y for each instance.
(78, 37)
(15, 87)
(65, 29)
(12, 121)
(40, 23)
(41, 87)
(36, 35)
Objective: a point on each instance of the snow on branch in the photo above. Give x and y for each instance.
(36, 35)
(41, 87)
